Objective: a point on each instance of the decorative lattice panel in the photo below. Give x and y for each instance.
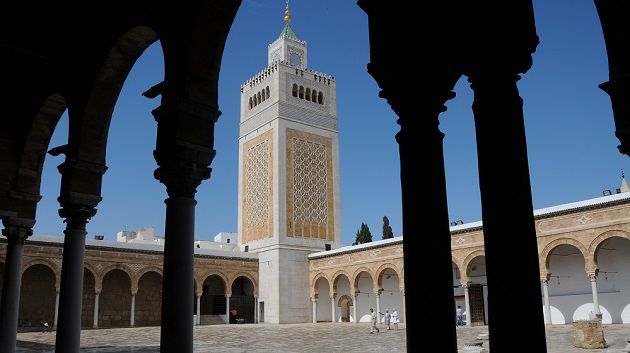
(309, 190)
(257, 221)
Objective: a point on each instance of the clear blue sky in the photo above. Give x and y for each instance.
(569, 124)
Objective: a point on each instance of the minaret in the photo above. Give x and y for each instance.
(624, 184)
(288, 174)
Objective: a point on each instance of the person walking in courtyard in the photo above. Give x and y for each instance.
(460, 316)
(395, 320)
(373, 320)
(388, 318)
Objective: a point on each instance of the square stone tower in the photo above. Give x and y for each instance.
(288, 175)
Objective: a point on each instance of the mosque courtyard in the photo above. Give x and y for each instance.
(322, 337)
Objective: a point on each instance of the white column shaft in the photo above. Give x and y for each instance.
(467, 304)
(546, 302)
(56, 308)
(227, 309)
(314, 310)
(595, 296)
(354, 308)
(95, 323)
(132, 321)
(378, 307)
(332, 308)
(198, 309)
(404, 311)
(255, 310)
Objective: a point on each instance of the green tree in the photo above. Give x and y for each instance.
(363, 235)
(387, 229)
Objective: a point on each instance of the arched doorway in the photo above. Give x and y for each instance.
(322, 289)
(149, 300)
(366, 298)
(87, 307)
(341, 287)
(391, 297)
(243, 299)
(345, 305)
(37, 296)
(613, 280)
(568, 278)
(114, 308)
(212, 300)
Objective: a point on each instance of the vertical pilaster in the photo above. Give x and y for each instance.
(16, 233)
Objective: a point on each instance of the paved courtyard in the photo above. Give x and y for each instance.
(309, 338)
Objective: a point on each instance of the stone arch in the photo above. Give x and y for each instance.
(307, 95)
(242, 274)
(223, 277)
(314, 292)
(37, 293)
(250, 103)
(115, 298)
(91, 143)
(51, 265)
(335, 277)
(600, 239)
(301, 92)
(294, 90)
(355, 278)
(267, 92)
(314, 96)
(260, 99)
(135, 280)
(320, 98)
(546, 252)
(99, 281)
(468, 261)
(149, 298)
(37, 142)
(381, 271)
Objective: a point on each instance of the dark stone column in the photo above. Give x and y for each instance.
(177, 287)
(508, 222)
(615, 19)
(71, 288)
(424, 209)
(16, 232)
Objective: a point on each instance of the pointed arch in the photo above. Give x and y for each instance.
(314, 291)
(301, 92)
(294, 90)
(336, 277)
(355, 278)
(307, 95)
(320, 98)
(246, 275)
(314, 96)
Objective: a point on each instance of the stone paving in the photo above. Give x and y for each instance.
(297, 338)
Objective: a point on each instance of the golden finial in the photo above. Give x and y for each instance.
(287, 14)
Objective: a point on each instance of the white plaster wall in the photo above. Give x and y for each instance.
(268, 279)
(366, 298)
(323, 303)
(343, 288)
(573, 296)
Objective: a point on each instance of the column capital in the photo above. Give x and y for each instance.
(314, 300)
(466, 284)
(182, 178)
(593, 276)
(76, 215)
(17, 230)
(198, 294)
